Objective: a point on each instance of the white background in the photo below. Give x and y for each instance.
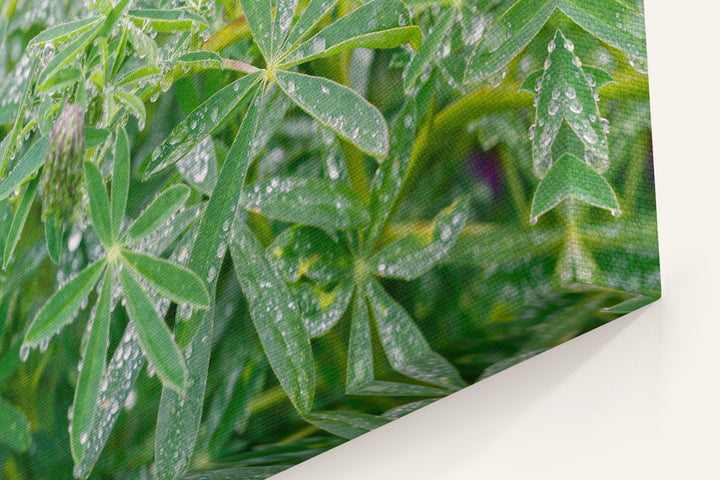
(638, 398)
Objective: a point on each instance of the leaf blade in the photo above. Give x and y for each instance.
(159, 210)
(120, 180)
(99, 203)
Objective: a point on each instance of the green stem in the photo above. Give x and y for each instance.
(356, 170)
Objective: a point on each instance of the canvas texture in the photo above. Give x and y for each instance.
(237, 233)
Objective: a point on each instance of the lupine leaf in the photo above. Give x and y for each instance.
(26, 166)
(431, 47)
(153, 334)
(158, 212)
(315, 11)
(310, 252)
(238, 473)
(507, 37)
(172, 281)
(15, 432)
(404, 344)
(570, 177)
(120, 181)
(415, 254)
(166, 20)
(377, 24)
(310, 201)
(360, 366)
(89, 380)
(133, 104)
(282, 20)
(259, 18)
(62, 306)
(64, 31)
(201, 122)
(276, 319)
(177, 425)
(18, 222)
(564, 94)
(99, 203)
(199, 166)
(338, 108)
(200, 60)
(322, 305)
(54, 238)
(65, 56)
(346, 424)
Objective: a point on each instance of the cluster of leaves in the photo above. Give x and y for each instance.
(261, 186)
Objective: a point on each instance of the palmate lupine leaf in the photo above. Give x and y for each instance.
(322, 305)
(179, 419)
(127, 360)
(276, 318)
(259, 18)
(25, 167)
(346, 424)
(315, 11)
(15, 431)
(331, 103)
(89, 380)
(430, 49)
(308, 201)
(415, 254)
(612, 21)
(54, 239)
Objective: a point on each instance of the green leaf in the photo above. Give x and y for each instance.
(338, 108)
(8, 145)
(282, 20)
(199, 60)
(63, 305)
(322, 306)
(133, 104)
(404, 344)
(18, 222)
(416, 253)
(507, 37)
(346, 424)
(154, 335)
(15, 432)
(99, 203)
(87, 389)
(377, 24)
(315, 11)
(564, 94)
(158, 212)
(120, 181)
(64, 32)
(569, 178)
(178, 425)
(360, 366)
(170, 20)
(390, 174)
(259, 18)
(611, 21)
(63, 78)
(199, 166)
(276, 318)
(203, 121)
(309, 252)
(54, 239)
(429, 51)
(65, 56)
(309, 201)
(173, 281)
(630, 305)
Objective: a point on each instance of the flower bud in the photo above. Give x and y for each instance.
(62, 175)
